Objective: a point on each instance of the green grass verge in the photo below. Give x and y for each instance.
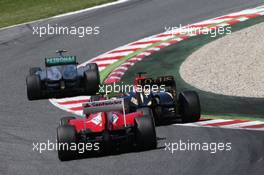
(168, 61)
(20, 11)
(232, 117)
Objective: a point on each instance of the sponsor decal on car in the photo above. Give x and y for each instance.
(60, 60)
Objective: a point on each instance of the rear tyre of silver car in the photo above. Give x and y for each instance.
(66, 136)
(33, 70)
(92, 66)
(92, 79)
(33, 87)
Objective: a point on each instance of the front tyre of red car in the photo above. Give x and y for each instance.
(66, 136)
(145, 133)
(33, 87)
(189, 106)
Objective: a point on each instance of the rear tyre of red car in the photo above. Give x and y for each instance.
(92, 79)
(66, 136)
(107, 143)
(33, 70)
(145, 111)
(33, 87)
(145, 133)
(65, 120)
(189, 106)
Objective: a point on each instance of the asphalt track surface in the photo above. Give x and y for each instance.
(24, 122)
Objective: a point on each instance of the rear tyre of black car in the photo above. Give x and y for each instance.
(33, 70)
(33, 87)
(157, 110)
(92, 79)
(189, 106)
(65, 120)
(66, 136)
(145, 133)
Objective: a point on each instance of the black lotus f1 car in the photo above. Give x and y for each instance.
(165, 102)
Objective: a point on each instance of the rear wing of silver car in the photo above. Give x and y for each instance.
(61, 60)
(105, 106)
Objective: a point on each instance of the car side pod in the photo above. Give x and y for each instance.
(189, 106)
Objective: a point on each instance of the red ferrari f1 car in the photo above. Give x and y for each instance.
(108, 123)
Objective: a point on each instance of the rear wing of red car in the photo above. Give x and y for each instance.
(105, 106)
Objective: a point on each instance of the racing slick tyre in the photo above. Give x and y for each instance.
(65, 120)
(145, 111)
(92, 80)
(157, 109)
(107, 143)
(66, 136)
(145, 133)
(33, 70)
(33, 87)
(189, 106)
(93, 66)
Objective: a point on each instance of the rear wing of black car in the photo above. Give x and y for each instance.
(167, 81)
